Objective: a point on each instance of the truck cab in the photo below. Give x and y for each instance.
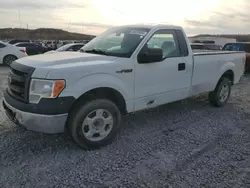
(124, 70)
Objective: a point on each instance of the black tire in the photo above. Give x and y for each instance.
(8, 59)
(78, 115)
(215, 96)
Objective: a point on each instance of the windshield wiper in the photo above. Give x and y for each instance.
(96, 51)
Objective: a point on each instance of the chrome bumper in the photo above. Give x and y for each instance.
(36, 122)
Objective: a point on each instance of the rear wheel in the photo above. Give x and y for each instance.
(221, 94)
(8, 59)
(94, 124)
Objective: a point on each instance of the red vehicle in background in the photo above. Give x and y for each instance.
(240, 46)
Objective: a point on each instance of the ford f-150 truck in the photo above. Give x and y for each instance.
(124, 70)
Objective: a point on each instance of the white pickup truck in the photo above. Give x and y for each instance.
(124, 70)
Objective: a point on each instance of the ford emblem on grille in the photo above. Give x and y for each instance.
(9, 80)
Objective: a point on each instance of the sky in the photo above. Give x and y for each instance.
(95, 16)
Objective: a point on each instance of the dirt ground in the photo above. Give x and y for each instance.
(183, 144)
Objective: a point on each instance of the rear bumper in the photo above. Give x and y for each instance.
(36, 122)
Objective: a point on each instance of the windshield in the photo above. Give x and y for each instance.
(119, 41)
(63, 48)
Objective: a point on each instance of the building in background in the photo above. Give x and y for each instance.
(221, 41)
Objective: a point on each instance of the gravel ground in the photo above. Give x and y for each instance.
(183, 144)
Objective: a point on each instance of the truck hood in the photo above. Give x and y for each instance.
(64, 59)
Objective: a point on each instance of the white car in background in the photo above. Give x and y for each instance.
(9, 53)
(73, 47)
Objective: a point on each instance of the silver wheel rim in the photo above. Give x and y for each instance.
(224, 92)
(9, 60)
(97, 125)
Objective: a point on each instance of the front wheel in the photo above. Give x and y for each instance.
(221, 94)
(94, 124)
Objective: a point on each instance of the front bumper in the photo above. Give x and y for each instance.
(36, 122)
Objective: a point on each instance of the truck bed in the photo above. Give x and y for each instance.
(207, 52)
(209, 66)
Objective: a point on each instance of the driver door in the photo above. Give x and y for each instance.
(161, 82)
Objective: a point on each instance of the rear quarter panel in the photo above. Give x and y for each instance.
(14, 50)
(209, 67)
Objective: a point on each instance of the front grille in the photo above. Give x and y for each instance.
(19, 80)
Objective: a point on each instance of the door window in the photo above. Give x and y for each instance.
(2, 45)
(77, 47)
(165, 40)
(70, 49)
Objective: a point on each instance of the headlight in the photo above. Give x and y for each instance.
(45, 89)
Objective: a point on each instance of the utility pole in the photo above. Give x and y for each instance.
(27, 26)
(19, 17)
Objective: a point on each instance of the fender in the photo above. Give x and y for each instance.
(93, 81)
(225, 67)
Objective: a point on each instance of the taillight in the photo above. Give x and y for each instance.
(24, 51)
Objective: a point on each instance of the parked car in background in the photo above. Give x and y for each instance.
(14, 41)
(62, 43)
(204, 47)
(32, 48)
(77, 41)
(51, 45)
(9, 53)
(73, 47)
(237, 46)
(240, 46)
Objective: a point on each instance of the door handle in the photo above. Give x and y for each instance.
(181, 66)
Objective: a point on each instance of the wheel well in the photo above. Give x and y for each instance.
(104, 92)
(230, 75)
(9, 55)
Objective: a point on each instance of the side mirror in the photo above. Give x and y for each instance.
(150, 55)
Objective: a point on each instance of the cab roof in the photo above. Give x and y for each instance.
(156, 26)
